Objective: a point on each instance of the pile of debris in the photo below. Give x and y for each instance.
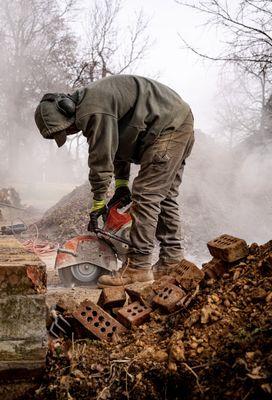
(69, 217)
(192, 335)
(14, 212)
(10, 196)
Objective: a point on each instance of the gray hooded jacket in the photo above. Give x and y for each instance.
(120, 116)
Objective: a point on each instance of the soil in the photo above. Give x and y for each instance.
(219, 347)
(68, 218)
(12, 211)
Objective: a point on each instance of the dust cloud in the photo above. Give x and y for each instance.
(224, 190)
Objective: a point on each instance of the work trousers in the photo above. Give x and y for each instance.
(155, 209)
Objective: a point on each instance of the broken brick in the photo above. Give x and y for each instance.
(97, 321)
(214, 268)
(112, 297)
(66, 304)
(134, 314)
(228, 248)
(158, 284)
(143, 295)
(168, 297)
(187, 274)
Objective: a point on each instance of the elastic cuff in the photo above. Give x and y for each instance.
(98, 204)
(121, 182)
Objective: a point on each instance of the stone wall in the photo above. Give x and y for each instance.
(23, 336)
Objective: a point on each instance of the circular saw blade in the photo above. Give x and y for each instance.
(80, 275)
(87, 249)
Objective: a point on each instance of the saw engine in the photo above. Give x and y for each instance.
(83, 259)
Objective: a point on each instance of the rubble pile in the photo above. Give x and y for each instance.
(13, 211)
(69, 217)
(10, 196)
(192, 334)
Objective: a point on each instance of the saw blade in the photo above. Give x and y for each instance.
(87, 249)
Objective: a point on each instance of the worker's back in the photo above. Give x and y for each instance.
(143, 107)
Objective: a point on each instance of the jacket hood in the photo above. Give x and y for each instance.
(49, 119)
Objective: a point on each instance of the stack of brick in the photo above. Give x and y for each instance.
(23, 335)
(112, 316)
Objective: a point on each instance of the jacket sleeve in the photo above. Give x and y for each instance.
(121, 169)
(102, 136)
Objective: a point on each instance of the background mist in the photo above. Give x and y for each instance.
(55, 46)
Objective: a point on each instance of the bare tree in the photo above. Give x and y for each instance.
(109, 48)
(237, 107)
(248, 29)
(37, 53)
(249, 23)
(40, 54)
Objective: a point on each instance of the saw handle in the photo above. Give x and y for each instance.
(65, 251)
(100, 232)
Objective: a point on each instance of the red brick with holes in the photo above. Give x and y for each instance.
(187, 274)
(134, 314)
(168, 297)
(97, 321)
(228, 248)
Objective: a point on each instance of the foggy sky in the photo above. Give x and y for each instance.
(167, 60)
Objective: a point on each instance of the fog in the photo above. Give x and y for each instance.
(225, 191)
(226, 186)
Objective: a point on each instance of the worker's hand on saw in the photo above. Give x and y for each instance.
(122, 194)
(98, 210)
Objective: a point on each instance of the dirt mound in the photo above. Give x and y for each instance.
(12, 211)
(220, 347)
(69, 217)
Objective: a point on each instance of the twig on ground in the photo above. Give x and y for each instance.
(195, 375)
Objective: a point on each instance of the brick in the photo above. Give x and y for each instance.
(187, 274)
(214, 268)
(22, 278)
(112, 297)
(228, 248)
(134, 314)
(168, 297)
(66, 304)
(22, 317)
(97, 321)
(164, 280)
(143, 295)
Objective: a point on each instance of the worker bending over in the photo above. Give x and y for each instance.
(130, 119)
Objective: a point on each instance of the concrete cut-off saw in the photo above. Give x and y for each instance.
(82, 259)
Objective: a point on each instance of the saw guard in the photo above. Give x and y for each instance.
(86, 249)
(119, 223)
(117, 220)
